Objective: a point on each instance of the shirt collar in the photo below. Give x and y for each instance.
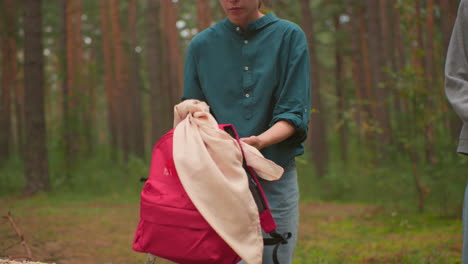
(254, 25)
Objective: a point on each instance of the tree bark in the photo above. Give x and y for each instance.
(135, 87)
(89, 104)
(158, 101)
(366, 66)
(171, 37)
(357, 66)
(121, 77)
(8, 75)
(19, 114)
(109, 79)
(170, 85)
(74, 87)
(429, 47)
(378, 61)
(66, 131)
(448, 11)
(401, 56)
(340, 87)
(447, 16)
(36, 161)
(399, 40)
(430, 81)
(203, 15)
(317, 133)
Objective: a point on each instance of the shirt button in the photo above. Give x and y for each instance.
(247, 95)
(237, 28)
(246, 68)
(246, 41)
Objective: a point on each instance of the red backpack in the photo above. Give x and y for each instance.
(170, 225)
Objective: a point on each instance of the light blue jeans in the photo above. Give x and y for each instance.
(465, 228)
(283, 198)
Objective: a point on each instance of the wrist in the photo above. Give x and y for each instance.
(263, 141)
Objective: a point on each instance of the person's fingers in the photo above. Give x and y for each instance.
(247, 140)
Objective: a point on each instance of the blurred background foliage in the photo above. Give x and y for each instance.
(84, 119)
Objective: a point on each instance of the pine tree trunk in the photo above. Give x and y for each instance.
(135, 84)
(36, 161)
(430, 81)
(317, 134)
(154, 57)
(447, 19)
(89, 104)
(416, 36)
(74, 87)
(172, 48)
(340, 85)
(8, 75)
(66, 130)
(401, 57)
(369, 95)
(392, 55)
(203, 15)
(357, 66)
(378, 61)
(382, 94)
(109, 80)
(169, 80)
(121, 78)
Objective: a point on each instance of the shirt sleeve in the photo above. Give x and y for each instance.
(456, 72)
(192, 87)
(292, 102)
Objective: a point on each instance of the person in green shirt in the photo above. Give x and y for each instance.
(253, 70)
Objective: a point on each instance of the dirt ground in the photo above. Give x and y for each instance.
(102, 233)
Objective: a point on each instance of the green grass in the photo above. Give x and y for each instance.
(331, 233)
(381, 238)
(367, 211)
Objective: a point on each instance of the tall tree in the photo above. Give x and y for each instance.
(385, 37)
(74, 88)
(135, 87)
(8, 75)
(366, 64)
(447, 18)
(340, 87)
(66, 134)
(357, 68)
(154, 58)
(172, 48)
(378, 57)
(36, 161)
(400, 55)
(415, 37)
(121, 74)
(398, 39)
(203, 14)
(109, 79)
(430, 80)
(89, 104)
(317, 133)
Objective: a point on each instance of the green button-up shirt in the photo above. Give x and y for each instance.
(253, 78)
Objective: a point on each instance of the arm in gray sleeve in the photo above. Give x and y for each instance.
(456, 72)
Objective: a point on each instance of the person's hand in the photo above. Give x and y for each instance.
(254, 141)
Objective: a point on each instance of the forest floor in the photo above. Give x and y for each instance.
(101, 232)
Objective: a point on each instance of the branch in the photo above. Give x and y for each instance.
(21, 237)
